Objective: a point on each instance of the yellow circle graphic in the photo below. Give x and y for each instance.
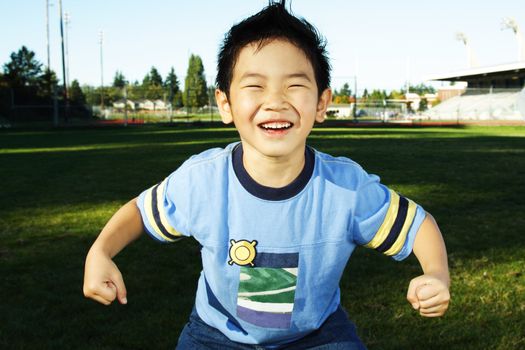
(242, 252)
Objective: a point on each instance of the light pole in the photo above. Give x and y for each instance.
(510, 23)
(470, 55)
(66, 96)
(101, 41)
(47, 36)
(67, 20)
(62, 44)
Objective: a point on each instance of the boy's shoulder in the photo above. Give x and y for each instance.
(337, 160)
(209, 156)
(343, 171)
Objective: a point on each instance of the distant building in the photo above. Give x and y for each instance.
(446, 92)
(148, 105)
(160, 105)
(413, 100)
(340, 110)
(491, 93)
(120, 104)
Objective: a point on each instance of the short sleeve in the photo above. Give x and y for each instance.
(385, 220)
(165, 208)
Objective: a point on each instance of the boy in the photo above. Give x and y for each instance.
(276, 219)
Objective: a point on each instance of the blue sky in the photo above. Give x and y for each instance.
(383, 42)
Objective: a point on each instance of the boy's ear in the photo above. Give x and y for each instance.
(322, 105)
(224, 106)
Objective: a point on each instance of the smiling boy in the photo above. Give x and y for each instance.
(276, 219)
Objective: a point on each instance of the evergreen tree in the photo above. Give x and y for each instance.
(47, 84)
(345, 90)
(195, 90)
(119, 81)
(23, 69)
(377, 95)
(172, 87)
(343, 95)
(152, 87)
(76, 96)
(154, 76)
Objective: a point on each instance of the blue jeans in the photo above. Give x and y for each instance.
(337, 332)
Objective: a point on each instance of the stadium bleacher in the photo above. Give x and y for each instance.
(492, 93)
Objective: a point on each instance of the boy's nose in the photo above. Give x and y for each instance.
(275, 100)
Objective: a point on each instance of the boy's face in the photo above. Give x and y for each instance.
(273, 99)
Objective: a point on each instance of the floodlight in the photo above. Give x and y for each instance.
(509, 23)
(462, 37)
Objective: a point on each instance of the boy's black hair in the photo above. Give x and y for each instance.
(273, 22)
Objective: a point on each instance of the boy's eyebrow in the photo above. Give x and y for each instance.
(251, 75)
(289, 76)
(299, 75)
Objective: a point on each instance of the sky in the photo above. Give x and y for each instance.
(382, 43)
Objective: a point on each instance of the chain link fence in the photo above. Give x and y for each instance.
(137, 105)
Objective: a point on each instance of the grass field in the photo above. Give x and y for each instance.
(60, 187)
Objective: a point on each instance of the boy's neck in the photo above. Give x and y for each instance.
(273, 172)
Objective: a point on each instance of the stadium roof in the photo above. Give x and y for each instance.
(514, 71)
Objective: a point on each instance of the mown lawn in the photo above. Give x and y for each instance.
(60, 187)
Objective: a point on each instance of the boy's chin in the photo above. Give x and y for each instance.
(280, 150)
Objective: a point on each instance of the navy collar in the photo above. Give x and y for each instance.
(273, 193)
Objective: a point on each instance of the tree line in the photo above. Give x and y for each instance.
(24, 81)
(196, 92)
(346, 95)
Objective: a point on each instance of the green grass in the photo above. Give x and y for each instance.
(60, 187)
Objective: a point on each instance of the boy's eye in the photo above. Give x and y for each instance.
(254, 86)
(296, 85)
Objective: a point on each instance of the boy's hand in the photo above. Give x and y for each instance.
(429, 294)
(102, 279)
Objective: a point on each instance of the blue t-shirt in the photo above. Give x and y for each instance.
(273, 257)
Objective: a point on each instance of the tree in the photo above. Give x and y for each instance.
(119, 81)
(172, 86)
(47, 84)
(422, 89)
(152, 78)
(195, 90)
(343, 95)
(377, 95)
(341, 99)
(23, 69)
(423, 105)
(152, 85)
(345, 90)
(76, 96)
(396, 95)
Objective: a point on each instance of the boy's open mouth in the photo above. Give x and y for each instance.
(276, 125)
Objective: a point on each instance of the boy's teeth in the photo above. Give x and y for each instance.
(276, 125)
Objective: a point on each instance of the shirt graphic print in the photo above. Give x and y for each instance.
(267, 284)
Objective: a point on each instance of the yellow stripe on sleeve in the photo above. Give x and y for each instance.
(162, 212)
(149, 212)
(386, 226)
(400, 242)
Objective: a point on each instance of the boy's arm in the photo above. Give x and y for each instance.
(102, 279)
(430, 292)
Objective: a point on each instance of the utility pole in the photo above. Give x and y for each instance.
(47, 36)
(354, 110)
(67, 20)
(63, 57)
(101, 41)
